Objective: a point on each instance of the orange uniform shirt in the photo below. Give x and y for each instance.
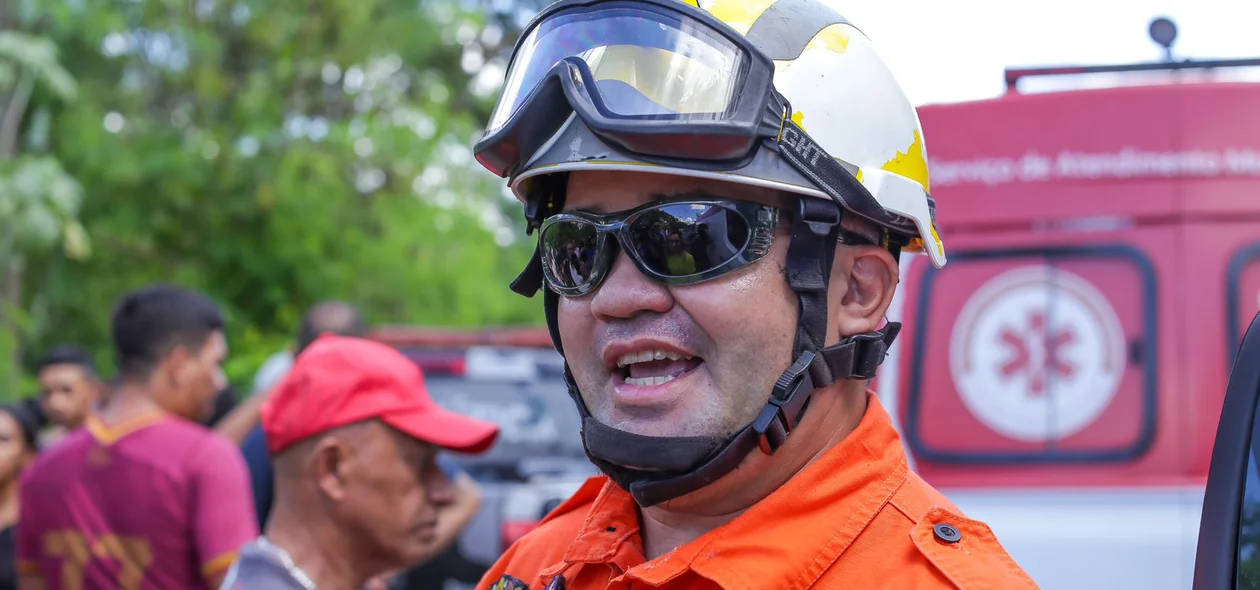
(854, 519)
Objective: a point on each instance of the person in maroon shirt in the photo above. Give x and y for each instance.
(143, 497)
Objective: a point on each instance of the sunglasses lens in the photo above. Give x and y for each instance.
(683, 239)
(569, 253)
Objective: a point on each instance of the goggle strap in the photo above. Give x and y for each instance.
(810, 159)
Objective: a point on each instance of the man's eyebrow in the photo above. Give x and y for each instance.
(594, 208)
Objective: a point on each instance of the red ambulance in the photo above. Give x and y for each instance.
(1062, 377)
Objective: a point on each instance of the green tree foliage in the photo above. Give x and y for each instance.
(39, 201)
(277, 153)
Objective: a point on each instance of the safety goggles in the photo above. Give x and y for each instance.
(675, 242)
(661, 79)
(654, 77)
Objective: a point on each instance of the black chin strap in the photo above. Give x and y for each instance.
(657, 469)
(780, 415)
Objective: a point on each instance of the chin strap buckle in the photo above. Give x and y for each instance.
(856, 357)
(779, 415)
(869, 351)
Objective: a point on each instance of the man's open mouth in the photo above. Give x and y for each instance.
(655, 367)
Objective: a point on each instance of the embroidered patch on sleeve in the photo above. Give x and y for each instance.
(509, 583)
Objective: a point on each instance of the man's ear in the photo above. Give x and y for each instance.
(330, 463)
(97, 386)
(173, 364)
(863, 281)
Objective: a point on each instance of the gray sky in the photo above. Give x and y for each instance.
(956, 51)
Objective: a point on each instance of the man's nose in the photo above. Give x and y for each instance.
(626, 292)
(59, 401)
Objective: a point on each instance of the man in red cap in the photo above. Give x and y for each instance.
(354, 437)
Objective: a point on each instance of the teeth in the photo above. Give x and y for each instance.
(644, 356)
(649, 381)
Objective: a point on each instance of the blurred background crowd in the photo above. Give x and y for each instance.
(271, 154)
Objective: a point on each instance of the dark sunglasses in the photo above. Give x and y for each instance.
(676, 242)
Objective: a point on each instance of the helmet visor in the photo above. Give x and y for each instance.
(643, 63)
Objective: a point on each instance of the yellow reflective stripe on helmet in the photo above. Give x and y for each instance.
(695, 3)
(911, 163)
(799, 118)
(835, 38)
(739, 14)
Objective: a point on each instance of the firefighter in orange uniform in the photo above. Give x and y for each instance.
(766, 145)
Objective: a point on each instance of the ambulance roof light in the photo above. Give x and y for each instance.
(1164, 31)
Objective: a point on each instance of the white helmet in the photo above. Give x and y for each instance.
(838, 87)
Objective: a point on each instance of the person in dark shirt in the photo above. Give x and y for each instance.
(19, 426)
(261, 474)
(222, 405)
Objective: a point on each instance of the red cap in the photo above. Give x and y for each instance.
(339, 380)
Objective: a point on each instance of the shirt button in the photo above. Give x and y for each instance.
(946, 532)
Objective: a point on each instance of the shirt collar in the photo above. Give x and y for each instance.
(839, 494)
(284, 560)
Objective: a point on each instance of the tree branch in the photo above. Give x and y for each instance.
(11, 126)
